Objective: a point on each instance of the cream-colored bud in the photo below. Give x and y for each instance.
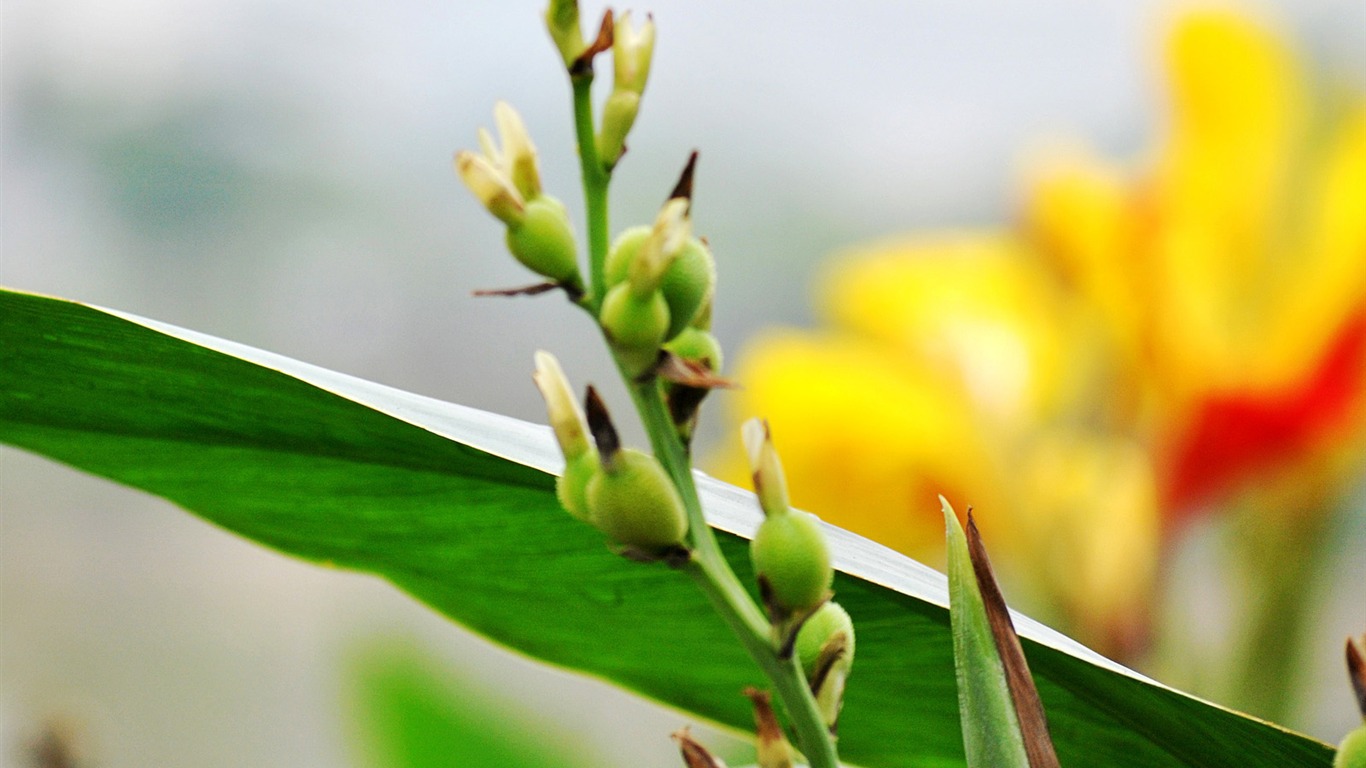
(519, 154)
(769, 482)
(670, 233)
(566, 418)
(494, 190)
(632, 50)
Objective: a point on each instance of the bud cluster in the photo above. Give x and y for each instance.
(507, 180)
(623, 492)
(659, 279)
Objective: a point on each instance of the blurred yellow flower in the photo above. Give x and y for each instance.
(1144, 343)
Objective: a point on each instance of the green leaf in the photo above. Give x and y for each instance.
(991, 730)
(409, 712)
(457, 508)
(1003, 720)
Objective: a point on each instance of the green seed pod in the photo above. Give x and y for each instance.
(633, 501)
(544, 241)
(790, 554)
(622, 252)
(697, 346)
(571, 487)
(635, 325)
(1352, 750)
(824, 624)
(687, 284)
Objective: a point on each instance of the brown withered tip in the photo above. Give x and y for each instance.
(525, 290)
(683, 188)
(688, 373)
(600, 424)
(694, 754)
(1029, 710)
(1356, 671)
(583, 64)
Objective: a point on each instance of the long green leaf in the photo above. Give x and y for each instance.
(991, 729)
(455, 506)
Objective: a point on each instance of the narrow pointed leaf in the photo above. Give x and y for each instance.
(456, 507)
(991, 728)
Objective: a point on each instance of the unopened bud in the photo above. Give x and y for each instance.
(566, 418)
(580, 457)
(543, 241)
(770, 484)
(504, 179)
(562, 21)
(688, 284)
(825, 648)
(632, 50)
(488, 184)
(518, 154)
(631, 498)
(634, 502)
(623, 252)
(670, 233)
(697, 346)
(618, 115)
(791, 558)
(635, 326)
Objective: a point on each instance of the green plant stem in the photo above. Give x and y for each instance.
(595, 181)
(713, 575)
(708, 567)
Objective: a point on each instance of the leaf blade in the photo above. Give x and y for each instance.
(456, 507)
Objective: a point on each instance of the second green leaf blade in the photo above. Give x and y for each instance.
(456, 507)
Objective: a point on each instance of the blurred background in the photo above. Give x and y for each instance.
(279, 174)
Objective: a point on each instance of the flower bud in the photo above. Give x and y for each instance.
(493, 190)
(688, 284)
(632, 51)
(696, 346)
(790, 556)
(635, 325)
(544, 241)
(503, 179)
(827, 622)
(562, 20)
(623, 252)
(634, 502)
(566, 419)
(518, 155)
(618, 115)
(825, 647)
(571, 487)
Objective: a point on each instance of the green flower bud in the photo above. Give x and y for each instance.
(688, 284)
(544, 241)
(696, 346)
(790, 555)
(825, 647)
(618, 115)
(824, 624)
(562, 21)
(635, 325)
(1352, 750)
(571, 487)
(622, 253)
(632, 500)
